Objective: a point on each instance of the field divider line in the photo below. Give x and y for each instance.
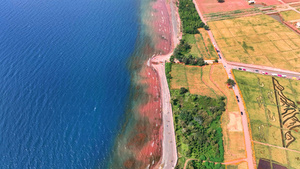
(206, 83)
(270, 145)
(248, 120)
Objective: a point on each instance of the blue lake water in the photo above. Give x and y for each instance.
(64, 83)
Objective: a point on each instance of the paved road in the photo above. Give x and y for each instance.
(240, 104)
(169, 153)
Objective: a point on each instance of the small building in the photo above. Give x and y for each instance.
(298, 25)
(251, 2)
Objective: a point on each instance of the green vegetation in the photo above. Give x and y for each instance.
(189, 17)
(197, 125)
(246, 47)
(168, 70)
(181, 53)
(230, 82)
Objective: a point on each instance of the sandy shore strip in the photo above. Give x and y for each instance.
(169, 151)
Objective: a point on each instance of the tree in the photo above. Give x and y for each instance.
(230, 82)
(206, 27)
(172, 59)
(183, 90)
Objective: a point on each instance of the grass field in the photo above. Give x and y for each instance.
(233, 135)
(259, 40)
(201, 45)
(190, 77)
(210, 81)
(290, 15)
(273, 116)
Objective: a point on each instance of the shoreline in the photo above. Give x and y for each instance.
(169, 150)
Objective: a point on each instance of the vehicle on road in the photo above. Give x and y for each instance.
(237, 97)
(241, 113)
(220, 56)
(256, 71)
(244, 69)
(238, 100)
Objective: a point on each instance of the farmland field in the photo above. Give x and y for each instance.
(290, 15)
(272, 105)
(259, 40)
(211, 6)
(200, 45)
(231, 123)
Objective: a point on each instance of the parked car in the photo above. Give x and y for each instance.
(279, 75)
(244, 69)
(240, 68)
(256, 71)
(284, 76)
(273, 74)
(241, 113)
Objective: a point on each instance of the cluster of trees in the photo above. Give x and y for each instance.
(189, 17)
(204, 165)
(168, 69)
(197, 120)
(180, 53)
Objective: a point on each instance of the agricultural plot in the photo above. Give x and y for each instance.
(205, 40)
(290, 15)
(233, 135)
(272, 106)
(259, 40)
(210, 81)
(200, 47)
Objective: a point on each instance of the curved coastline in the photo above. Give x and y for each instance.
(169, 149)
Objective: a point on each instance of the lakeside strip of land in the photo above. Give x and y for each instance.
(169, 152)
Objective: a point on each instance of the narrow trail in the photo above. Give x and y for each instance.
(187, 161)
(270, 145)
